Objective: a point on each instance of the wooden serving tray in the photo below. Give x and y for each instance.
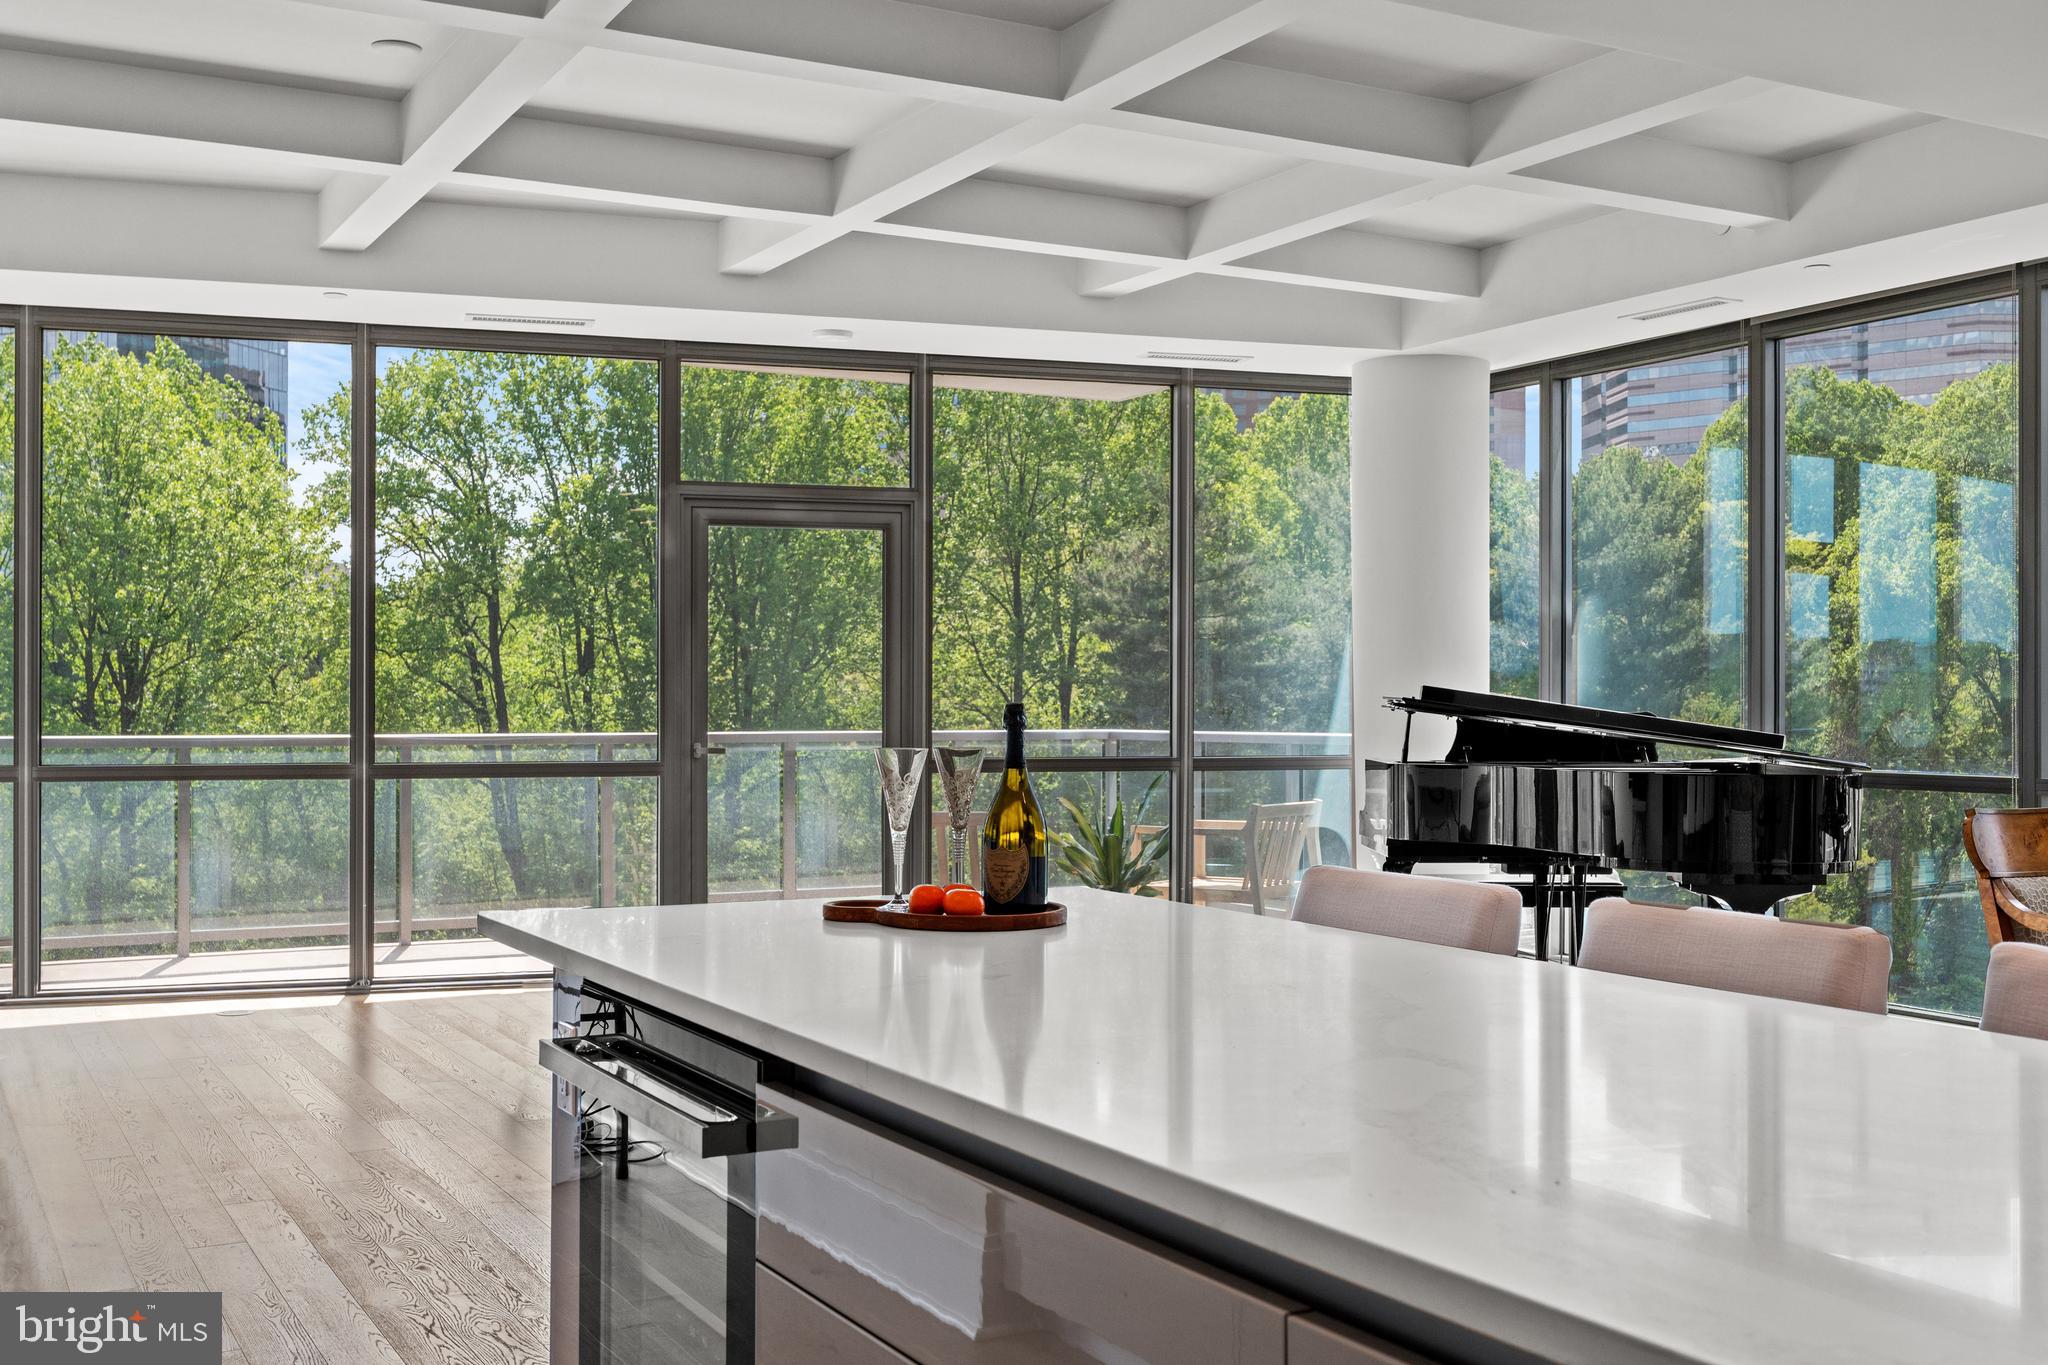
(868, 910)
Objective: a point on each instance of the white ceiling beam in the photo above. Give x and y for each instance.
(1286, 113)
(93, 113)
(515, 17)
(925, 151)
(1048, 221)
(460, 257)
(538, 160)
(627, 169)
(1131, 46)
(1296, 203)
(1940, 199)
(111, 98)
(1598, 100)
(1672, 179)
(885, 45)
(1128, 46)
(1153, 237)
(1979, 62)
(930, 54)
(1368, 262)
(470, 93)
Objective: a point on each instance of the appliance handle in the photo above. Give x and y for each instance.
(710, 1120)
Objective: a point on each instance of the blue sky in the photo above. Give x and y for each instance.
(315, 371)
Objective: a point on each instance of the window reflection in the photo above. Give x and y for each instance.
(1901, 440)
(1512, 539)
(1660, 532)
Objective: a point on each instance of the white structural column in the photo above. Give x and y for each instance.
(1418, 539)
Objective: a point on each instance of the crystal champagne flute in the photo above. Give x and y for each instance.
(902, 770)
(959, 784)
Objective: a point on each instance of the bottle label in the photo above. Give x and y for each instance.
(1007, 869)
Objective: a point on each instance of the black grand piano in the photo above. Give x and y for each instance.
(1560, 794)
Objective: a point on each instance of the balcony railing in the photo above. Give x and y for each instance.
(397, 915)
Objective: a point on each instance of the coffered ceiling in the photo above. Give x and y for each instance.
(1299, 181)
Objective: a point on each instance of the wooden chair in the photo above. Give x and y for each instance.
(2009, 849)
(1844, 965)
(1483, 916)
(1275, 837)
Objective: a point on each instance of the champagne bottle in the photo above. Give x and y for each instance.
(1013, 838)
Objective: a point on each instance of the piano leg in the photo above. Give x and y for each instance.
(1577, 929)
(1539, 896)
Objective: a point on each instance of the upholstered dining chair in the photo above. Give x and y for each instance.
(2009, 849)
(2016, 990)
(1456, 914)
(1843, 965)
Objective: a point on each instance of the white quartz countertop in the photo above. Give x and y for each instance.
(1590, 1167)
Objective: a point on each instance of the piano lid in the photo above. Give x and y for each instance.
(1495, 709)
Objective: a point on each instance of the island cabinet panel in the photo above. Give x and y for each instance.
(1313, 1339)
(795, 1329)
(953, 1266)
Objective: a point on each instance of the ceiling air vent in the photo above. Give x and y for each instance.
(1197, 358)
(1695, 306)
(521, 320)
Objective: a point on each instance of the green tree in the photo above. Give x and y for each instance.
(1650, 549)
(516, 572)
(764, 426)
(1031, 493)
(1512, 579)
(186, 590)
(1272, 563)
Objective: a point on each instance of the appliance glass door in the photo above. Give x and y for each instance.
(653, 1213)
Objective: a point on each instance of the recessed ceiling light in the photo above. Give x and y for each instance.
(833, 334)
(1819, 265)
(333, 294)
(395, 44)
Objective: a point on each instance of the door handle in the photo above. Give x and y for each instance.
(701, 750)
(654, 1090)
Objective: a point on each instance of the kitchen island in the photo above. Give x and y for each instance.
(1286, 1142)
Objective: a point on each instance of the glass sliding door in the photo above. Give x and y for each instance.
(195, 659)
(794, 623)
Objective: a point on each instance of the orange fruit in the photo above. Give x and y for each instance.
(964, 900)
(927, 899)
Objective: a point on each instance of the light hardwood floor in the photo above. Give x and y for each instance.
(364, 1179)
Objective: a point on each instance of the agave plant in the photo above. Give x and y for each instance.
(1101, 852)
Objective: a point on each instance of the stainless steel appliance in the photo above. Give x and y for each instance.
(656, 1127)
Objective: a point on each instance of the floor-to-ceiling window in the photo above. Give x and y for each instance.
(339, 635)
(1656, 455)
(515, 640)
(7, 660)
(1051, 583)
(1900, 439)
(1272, 664)
(194, 659)
(1890, 601)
